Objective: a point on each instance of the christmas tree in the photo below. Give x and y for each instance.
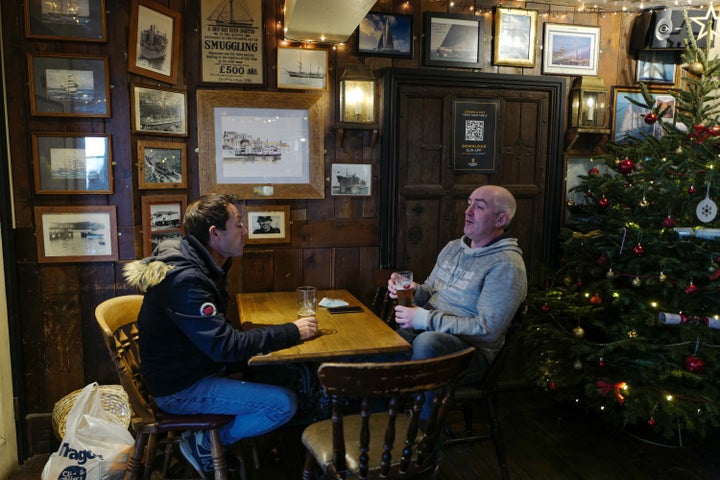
(629, 322)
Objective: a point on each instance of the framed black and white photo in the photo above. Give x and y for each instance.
(570, 49)
(267, 223)
(69, 85)
(71, 163)
(161, 164)
(162, 217)
(77, 20)
(515, 37)
(159, 111)
(656, 66)
(386, 34)
(453, 40)
(351, 179)
(154, 41)
(302, 68)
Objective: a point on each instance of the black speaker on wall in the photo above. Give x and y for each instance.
(665, 29)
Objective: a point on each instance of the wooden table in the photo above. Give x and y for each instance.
(340, 335)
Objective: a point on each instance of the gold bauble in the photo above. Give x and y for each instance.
(696, 68)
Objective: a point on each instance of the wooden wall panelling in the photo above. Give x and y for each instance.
(346, 264)
(625, 67)
(610, 43)
(33, 340)
(96, 284)
(287, 272)
(317, 268)
(257, 270)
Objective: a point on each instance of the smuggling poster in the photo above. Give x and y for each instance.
(474, 135)
(232, 41)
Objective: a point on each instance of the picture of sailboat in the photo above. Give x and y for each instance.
(385, 40)
(302, 68)
(385, 34)
(460, 42)
(233, 13)
(66, 12)
(300, 73)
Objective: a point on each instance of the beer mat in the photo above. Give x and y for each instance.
(332, 302)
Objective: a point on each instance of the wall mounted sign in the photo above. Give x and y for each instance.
(232, 41)
(474, 135)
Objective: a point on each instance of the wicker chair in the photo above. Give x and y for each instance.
(117, 317)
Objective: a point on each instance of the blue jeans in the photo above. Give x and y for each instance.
(258, 408)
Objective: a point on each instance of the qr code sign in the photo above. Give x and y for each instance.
(475, 130)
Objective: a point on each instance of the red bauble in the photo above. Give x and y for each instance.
(639, 250)
(691, 189)
(552, 385)
(594, 171)
(589, 193)
(651, 421)
(545, 307)
(603, 202)
(596, 299)
(691, 289)
(626, 166)
(651, 118)
(694, 364)
(668, 222)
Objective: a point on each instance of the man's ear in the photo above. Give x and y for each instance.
(503, 220)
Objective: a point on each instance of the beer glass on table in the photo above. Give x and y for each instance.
(403, 285)
(306, 301)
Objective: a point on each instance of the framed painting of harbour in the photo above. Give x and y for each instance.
(75, 20)
(162, 217)
(353, 179)
(161, 164)
(76, 234)
(71, 163)
(231, 41)
(386, 34)
(302, 68)
(515, 37)
(267, 223)
(453, 40)
(159, 111)
(570, 49)
(69, 85)
(656, 66)
(260, 144)
(154, 41)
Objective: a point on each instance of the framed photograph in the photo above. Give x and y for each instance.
(76, 234)
(69, 85)
(162, 217)
(453, 40)
(70, 163)
(154, 41)
(159, 111)
(161, 164)
(302, 68)
(386, 34)
(79, 20)
(351, 179)
(261, 144)
(267, 223)
(628, 119)
(515, 37)
(656, 66)
(570, 49)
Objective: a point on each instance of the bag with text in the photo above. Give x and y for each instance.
(95, 444)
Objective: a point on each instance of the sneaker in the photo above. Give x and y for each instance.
(197, 453)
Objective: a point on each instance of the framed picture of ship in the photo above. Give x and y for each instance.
(161, 164)
(267, 224)
(628, 120)
(386, 34)
(154, 41)
(70, 163)
(159, 111)
(570, 49)
(76, 234)
(656, 66)
(453, 40)
(69, 85)
(74, 20)
(353, 179)
(302, 68)
(162, 217)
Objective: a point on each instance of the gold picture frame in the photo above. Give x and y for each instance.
(515, 41)
(268, 145)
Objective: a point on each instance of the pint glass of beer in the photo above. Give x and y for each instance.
(306, 301)
(403, 285)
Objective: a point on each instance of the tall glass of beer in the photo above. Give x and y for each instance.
(403, 285)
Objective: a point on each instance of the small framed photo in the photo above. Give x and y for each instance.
(570, 49)
(267, 223)
(78, 20)
(453, 40)
(76, 234)
(159, 111)
(351, 179)
(656, 66)
(628, 119)
(71, 163)
(515, 37)
(386, 34)
(162, 219)
(302, 68)
(69, 85)
(161, 164)
(154, 41)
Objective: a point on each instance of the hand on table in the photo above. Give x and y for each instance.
(308, 327)
(404, 316)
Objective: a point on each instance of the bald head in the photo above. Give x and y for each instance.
(503, 201)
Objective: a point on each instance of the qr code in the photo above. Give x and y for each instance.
(475, 130)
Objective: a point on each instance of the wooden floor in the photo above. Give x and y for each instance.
(545, 441)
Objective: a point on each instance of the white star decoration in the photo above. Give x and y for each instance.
(710, 16)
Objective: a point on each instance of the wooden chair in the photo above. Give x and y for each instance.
(487, 390)
(117, 319)
(344, 445)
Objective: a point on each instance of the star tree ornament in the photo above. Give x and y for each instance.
(706, 210)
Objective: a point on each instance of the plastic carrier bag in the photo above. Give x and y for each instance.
(95, 446)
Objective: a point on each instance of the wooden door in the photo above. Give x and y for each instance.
(427, 199)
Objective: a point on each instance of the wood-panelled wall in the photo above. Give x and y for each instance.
(335, 240)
